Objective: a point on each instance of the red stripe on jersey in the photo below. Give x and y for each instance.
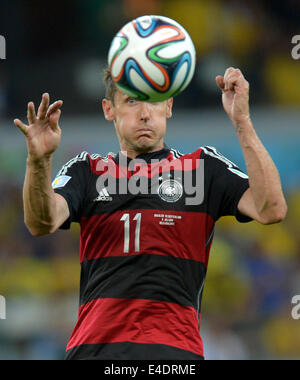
(187, 162)
(179, 234)
(112, 320)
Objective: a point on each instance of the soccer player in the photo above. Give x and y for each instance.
(144, 256)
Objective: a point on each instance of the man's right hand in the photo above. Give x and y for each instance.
(42, 133)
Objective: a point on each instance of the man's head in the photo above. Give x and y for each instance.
(140, 126)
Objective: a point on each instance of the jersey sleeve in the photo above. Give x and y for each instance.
(225, 184)
(71, 183)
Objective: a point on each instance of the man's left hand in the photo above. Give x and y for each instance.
(235, 95)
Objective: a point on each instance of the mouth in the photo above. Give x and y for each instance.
(144, 132)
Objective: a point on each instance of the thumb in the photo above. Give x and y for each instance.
(220, 82)
(22, 127)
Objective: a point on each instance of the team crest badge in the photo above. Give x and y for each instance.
(170, 190)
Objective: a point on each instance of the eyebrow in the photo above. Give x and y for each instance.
(126, 97)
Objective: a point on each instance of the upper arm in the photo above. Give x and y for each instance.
(61, 215)
(62, 212)
(246, 206)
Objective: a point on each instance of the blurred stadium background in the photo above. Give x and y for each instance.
(60, 47)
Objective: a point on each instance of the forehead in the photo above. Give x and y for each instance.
(119, 94)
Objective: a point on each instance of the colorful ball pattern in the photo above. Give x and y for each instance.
(152, 58)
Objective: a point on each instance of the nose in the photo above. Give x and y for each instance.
(144, 111)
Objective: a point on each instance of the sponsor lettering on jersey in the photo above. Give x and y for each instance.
(103, 196)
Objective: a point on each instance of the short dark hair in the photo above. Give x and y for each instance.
(110, 86)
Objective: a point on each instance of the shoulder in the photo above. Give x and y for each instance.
(204, 152)
(73, 162)
(219, 162)
(176, 154)
(210, 152)
(84, 160)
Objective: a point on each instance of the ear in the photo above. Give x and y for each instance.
(108, 109)
(169, 107)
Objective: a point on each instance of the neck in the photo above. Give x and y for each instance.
(133, 153)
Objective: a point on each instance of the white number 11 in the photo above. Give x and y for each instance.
(126, 219)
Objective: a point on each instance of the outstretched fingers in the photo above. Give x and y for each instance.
(54, 107)
(31, 115)
(53, 114)
(42, 111)
(23, 127)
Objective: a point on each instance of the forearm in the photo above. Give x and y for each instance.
(39, 197)
(264, 180)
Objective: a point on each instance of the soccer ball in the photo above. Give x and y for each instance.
(152, 58)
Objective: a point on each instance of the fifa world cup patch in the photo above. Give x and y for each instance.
(60, 181)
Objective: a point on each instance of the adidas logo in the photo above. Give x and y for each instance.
(103, 196)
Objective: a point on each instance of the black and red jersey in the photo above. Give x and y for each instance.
(144, 255)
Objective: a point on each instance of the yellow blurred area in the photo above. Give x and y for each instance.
(241, 34)
(202, 20)
(32, 276)
(281, 336)
(206, 21)
(282, 77)
(275, 240)
(227, 290)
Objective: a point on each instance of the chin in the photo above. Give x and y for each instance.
(145, 145)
